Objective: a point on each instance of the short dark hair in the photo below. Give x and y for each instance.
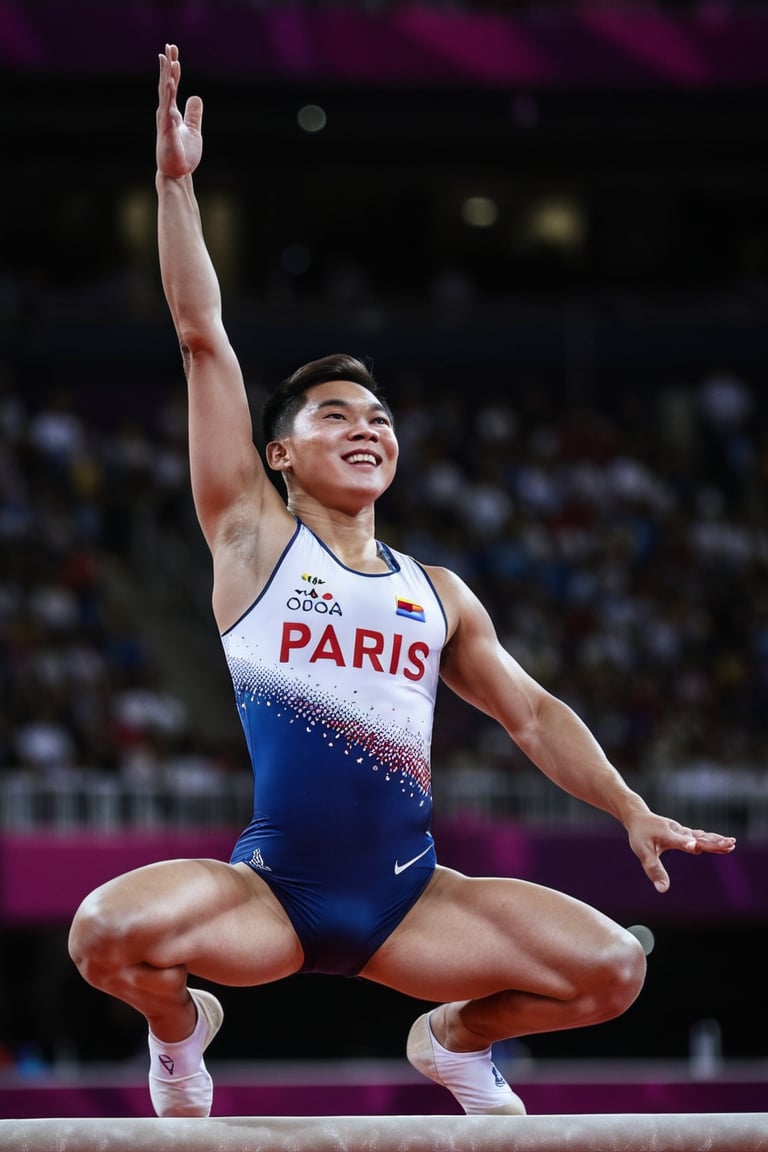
(289, 397)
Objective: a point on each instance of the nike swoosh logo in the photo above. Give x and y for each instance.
(402, 867)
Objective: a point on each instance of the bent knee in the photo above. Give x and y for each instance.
(621, 974)
(97, 937)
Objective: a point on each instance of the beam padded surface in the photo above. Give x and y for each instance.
(627, 1132)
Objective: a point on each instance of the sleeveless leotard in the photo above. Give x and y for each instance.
(335, 674)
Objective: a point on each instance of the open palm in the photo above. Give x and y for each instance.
(179, 138)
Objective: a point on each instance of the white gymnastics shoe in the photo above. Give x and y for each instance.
(179, 1082)
(472, 1077)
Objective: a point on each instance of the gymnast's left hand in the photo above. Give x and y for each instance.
(651, 835)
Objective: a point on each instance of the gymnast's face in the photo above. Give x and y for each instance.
(342, 448)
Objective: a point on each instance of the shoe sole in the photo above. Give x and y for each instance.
(211, 1010)
(419, 1050)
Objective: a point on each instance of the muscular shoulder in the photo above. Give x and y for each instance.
(458, 600)
(475, 664)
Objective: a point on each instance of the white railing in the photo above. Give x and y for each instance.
(728, 800)
(87, 798)
(99, 801)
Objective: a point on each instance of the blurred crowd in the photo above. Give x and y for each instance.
(80, 683)
(623, 556)
(619, 546)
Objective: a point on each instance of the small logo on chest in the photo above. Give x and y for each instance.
(409, 609)
(311, 598)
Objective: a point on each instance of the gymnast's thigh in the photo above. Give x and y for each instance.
(220, 921)
(468, 937)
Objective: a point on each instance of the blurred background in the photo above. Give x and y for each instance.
(544, 226)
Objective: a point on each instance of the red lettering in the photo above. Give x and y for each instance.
(370, 644)
(294, 636)
(368, 647)
(417, 654)
(394, 660)
(328, 648)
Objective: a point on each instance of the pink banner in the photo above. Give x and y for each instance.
(44, 876)
(298, 1094)
(414, 44)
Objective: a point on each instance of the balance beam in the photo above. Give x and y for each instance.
(627, 1132)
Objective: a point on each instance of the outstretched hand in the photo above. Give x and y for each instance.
(650, 835)
(179, 139)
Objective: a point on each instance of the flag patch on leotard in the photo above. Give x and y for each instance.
(409, 609)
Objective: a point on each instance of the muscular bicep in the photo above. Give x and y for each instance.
(478, 668)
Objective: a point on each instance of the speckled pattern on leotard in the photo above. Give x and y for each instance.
(393, 748)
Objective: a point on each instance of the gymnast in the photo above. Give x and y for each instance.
(336, 643)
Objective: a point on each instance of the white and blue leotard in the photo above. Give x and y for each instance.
(335, 674)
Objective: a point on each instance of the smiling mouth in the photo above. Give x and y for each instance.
(362, 458)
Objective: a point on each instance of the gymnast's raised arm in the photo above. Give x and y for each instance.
(237, 505)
